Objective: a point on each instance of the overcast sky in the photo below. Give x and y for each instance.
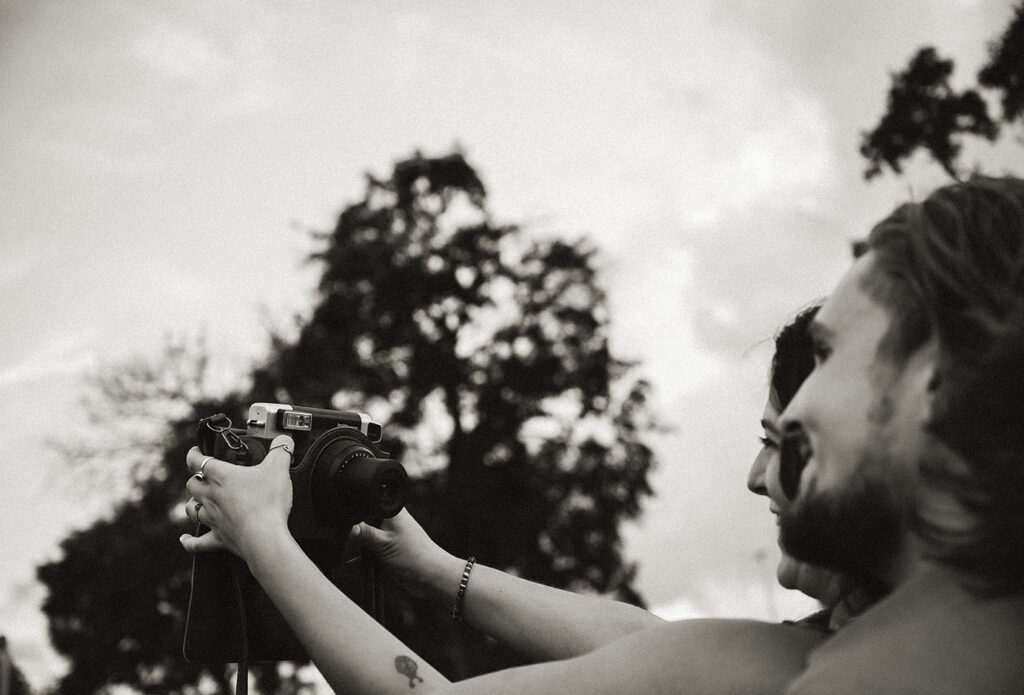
(163, 159)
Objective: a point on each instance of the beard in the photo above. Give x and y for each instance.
(856, 530)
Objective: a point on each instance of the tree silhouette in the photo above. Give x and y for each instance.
(484, 353)
(117, 596)
(427, 306)
(1005, 69)
(924, 112)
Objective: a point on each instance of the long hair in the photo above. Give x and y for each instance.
(952, 268)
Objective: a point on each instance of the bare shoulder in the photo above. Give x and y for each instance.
(710, 657)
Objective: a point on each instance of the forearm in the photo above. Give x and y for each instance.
(537, 621)
(353, 652)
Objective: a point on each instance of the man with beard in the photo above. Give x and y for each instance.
(904, 453)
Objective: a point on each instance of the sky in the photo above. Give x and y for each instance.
(163, 163)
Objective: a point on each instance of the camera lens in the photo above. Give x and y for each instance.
(350, 484)
(391, 490)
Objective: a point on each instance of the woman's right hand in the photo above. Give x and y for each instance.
(411, 557)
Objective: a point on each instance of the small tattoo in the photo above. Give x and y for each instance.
(407, 667)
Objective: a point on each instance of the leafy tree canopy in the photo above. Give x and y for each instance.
(1005, 69)
(924, 112)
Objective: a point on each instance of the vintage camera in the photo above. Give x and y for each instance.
(340, 477)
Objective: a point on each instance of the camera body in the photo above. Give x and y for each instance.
(340, 477)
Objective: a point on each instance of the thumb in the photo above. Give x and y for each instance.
(201, 544)
(280, 451)
(368, 536)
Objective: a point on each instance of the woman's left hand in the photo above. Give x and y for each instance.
(241, 504)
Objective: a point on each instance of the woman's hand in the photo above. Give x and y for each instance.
(409, 555)
(241, 504)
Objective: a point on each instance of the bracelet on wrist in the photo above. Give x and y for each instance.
(459, 597)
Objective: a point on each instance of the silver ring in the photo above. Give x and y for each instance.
(280, 446)
(202, 467)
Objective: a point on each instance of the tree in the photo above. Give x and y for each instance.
(925, 112)
(1005, 69)
(485, 354)
(427, 306)
(117, 596)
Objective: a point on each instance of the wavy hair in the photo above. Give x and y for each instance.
(952, 267)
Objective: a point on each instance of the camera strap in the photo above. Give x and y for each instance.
(242, 674)
(210, 428)
(237, 579)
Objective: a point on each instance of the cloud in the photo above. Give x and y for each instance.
(179, 52)
(653, 296)
(35, 369)
(225, 74)
(62, 353)
(98, 158)
(15, 269)
(679, 144)
(754, 271)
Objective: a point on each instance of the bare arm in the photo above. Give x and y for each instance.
(357, 655)
(703, 657)
(537, 621)
(247, 508)
(353, 652)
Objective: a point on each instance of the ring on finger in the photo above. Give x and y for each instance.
(201, 475)
(284, 446)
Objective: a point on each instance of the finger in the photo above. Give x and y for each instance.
(399, 522)
(194, 486)
(280, 452)
(196, 460)
(192, 508)
(202, 544)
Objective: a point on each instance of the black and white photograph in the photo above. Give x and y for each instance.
(373, 347)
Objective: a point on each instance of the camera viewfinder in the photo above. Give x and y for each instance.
(296, 420)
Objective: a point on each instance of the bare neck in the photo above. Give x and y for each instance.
(907, 561)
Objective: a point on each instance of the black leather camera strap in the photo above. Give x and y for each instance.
(242, 674)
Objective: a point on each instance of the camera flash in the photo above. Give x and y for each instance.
(295, 420)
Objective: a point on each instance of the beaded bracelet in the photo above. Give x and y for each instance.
(457, 609)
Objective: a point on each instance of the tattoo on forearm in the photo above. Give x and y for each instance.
(407, 667)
